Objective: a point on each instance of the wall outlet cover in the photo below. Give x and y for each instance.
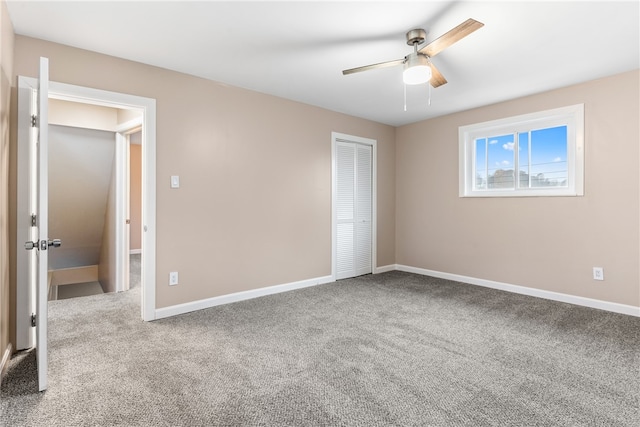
(598, 273)
(173, 278)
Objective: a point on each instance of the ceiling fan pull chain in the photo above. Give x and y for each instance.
(404, 85)
(429, 100)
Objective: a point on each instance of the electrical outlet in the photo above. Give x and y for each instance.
(598, 273)
(173, 278)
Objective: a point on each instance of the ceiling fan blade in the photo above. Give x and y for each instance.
(437, 79)
(450, 37)
(372, 66)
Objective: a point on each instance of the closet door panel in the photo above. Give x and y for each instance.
(354, 195)
(345, 207)
(345, 247)
(363, 211)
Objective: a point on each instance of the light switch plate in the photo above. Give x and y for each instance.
(175, 181)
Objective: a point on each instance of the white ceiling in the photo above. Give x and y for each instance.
(297, 50)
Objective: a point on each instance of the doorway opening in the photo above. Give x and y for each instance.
(89, 197)
(137, 116)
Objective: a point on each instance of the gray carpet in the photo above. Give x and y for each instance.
(134, 270)
(390, 349)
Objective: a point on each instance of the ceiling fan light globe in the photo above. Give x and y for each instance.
(417, 75)
(416, 70)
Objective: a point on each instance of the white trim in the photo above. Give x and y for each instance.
(120, 171)
(148, 259)
(175, 310)
(385, 268)
(135, 251)
(571, 116)
(335, 136)
(539, 293)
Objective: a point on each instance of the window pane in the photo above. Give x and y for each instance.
(532, 155)
(523, 159)
(549, 157)
(481, 164)
(500, 159)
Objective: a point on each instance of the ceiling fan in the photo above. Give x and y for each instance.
(418, 67)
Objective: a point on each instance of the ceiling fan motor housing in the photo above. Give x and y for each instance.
(416, 36)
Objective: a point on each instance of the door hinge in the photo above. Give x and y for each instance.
(34, 218)
(34, 121)
(33, 320)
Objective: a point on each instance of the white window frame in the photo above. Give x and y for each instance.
(572, 116)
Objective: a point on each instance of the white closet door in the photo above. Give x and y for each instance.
(363, 210)
(345, 209)
(353, 209)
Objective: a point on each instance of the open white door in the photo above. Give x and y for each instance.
(38, 202)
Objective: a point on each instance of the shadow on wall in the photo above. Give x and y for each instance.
(81, 190)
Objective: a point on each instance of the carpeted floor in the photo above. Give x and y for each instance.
(390, 349)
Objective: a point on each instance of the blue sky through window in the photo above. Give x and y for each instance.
(542, 159)
(549, 154)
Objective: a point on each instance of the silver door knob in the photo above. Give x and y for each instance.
(30, 245)
(56, 243)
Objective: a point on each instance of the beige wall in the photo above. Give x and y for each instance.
(545, 243)
(254, 207)
(135, 196)
(88, 116)
(107, 258)
(124, 116)
(6, 76)
(81, 169)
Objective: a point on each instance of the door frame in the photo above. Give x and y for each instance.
(342, 137)
(122, 171)
(85, 95)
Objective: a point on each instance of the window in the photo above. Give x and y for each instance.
(539, 154)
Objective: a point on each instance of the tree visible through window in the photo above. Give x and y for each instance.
(541, 154)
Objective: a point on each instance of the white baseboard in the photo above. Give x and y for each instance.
(555, 296)
(135, 251)
(270, 290)
(385, 268)
(238, 296)
(5, 360)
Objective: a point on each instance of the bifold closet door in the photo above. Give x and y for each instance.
(353, 209)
